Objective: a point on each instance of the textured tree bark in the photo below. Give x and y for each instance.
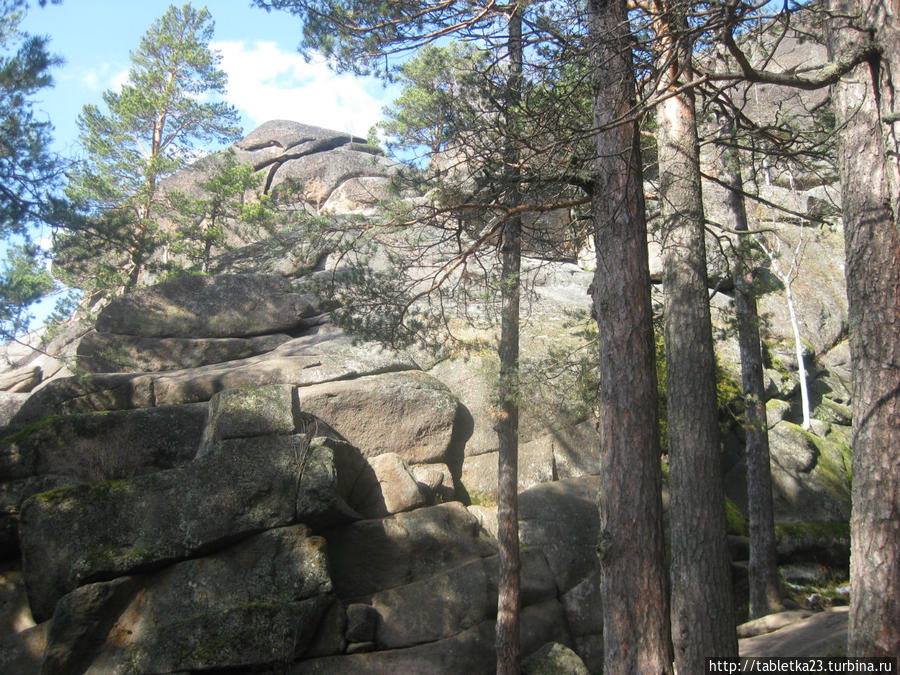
(703, 623)
(636, 628)
(763, 571)
(507, 425)
(864, 104)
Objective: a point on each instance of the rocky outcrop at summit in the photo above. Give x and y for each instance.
(331, 172)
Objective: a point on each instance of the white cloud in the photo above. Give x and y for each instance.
(266, 83)
(118, 80)
(104, 76)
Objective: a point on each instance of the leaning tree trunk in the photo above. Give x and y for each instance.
(866, 113)
(636, 632)
(703, 622)
(763, 571)
(507, 635)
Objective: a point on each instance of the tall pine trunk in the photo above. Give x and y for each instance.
(636, 628)
(865, 105)
(703, 623)
(763, 571)
(507, 426)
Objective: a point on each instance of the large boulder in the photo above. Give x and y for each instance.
(562, 519)
(260, 603)
(121, 527)
(333, 172)
(554, 659)
(810, 475)
(409, 413)
(470, 651)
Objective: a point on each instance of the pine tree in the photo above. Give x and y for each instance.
(148, 130)
(28, 169)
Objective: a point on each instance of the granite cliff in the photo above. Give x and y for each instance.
(210, 476)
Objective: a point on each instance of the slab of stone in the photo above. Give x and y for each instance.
(91, 393)
(113, 353)
(554, 659)
(822, 634)
(312, 359)
(329, 355)
(219, 306)
(562, 519)
(259, 603)
(772, 622)
(117, 528)
(117, 444)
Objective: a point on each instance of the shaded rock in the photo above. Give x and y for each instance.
(823, 542)
(408, 413)
(486, 516)
(92, 393)
(362, 621)
(576, 450)
(554, 659)
(803, 573)
(822, 634)
(22, 380)
(122, 527)
(437, 607)
(288, 254)
(112, 353)
(117, 444)
(562, 452)
(471, 651)
(22, 653)
(584, 615)
(12, 494)
(221, 306)
(810, 475)
(256, 604)
(471, 379)
(479, 472)
(562, 519)
(375, 555)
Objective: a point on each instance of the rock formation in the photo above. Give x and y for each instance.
(231, 483)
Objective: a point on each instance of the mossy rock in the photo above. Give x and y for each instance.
(825, 542)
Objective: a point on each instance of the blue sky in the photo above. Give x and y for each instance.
(268, 79)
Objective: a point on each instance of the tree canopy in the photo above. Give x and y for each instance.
(167, 111)
(29, 170)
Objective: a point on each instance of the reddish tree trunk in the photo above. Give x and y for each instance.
(636, 630)
(864, 104)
